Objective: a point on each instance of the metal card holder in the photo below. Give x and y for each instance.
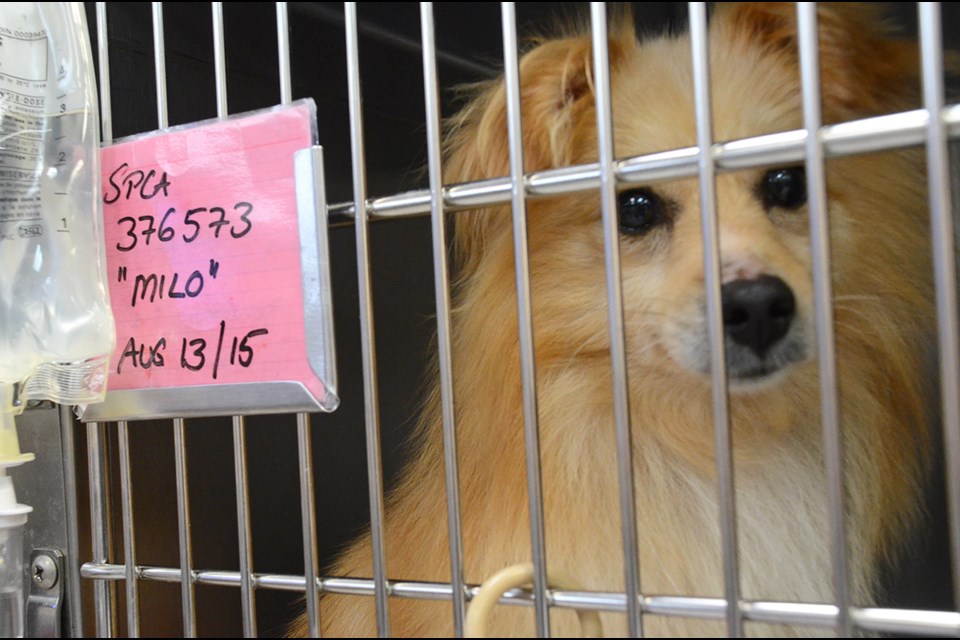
(315, 270)
(260, 397)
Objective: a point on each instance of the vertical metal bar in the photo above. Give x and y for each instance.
(244, 535)
(525, 317)
(160, 65)
(245, 539)
(187, 591)
(823, 299)
(368, 348)
(129, 532)
(99, 515)
(308, 508)
(711, 268)
(944, 263)
(283, 46)
(618, 348)
(100, 528)
(219, 59)
(187, 586)
(442, 290)
(73, 623)
(103, 56)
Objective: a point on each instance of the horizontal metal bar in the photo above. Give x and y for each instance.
(894, 131)
(419, 590)
(818, 615)
(707, 608)
(938, 623)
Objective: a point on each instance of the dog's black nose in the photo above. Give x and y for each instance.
(758, 312)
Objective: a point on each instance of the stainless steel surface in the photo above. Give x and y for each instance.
(315, 272)
(283, 50)
(100, 527)
(944, 263)
(99, 515)
(710, 231)
(73, 622)
(614, 289)
(894, 131)
(204, 400)
(187, 591)
(48, 484)
(129, 531)
(160, 65)
(219, 59)
(441, 283)
(903, 621)
(368, 346)
(44, 573)
(103, 59)
(823, 310)
(820, 616)
(308, 511)
(244, 536)
(521, 257)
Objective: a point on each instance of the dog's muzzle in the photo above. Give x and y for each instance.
(758, 314)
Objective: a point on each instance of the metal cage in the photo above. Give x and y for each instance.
(122, 564)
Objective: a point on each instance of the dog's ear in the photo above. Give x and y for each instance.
(556, 78)
(865, 67)
(556, 86)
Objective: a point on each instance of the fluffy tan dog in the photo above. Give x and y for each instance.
(882, 288)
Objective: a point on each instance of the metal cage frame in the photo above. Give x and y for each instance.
(931, 126)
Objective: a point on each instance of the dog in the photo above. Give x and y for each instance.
(882, 286)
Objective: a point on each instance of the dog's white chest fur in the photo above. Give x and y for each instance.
(782, 526)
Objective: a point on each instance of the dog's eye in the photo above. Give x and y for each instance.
(785, 188)
(640, 211)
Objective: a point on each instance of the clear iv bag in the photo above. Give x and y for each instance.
(56, 328)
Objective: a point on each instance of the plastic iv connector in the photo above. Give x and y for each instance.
(13, 520)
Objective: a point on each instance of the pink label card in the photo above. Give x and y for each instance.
(203, 235)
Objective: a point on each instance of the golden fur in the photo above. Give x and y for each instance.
(882, 305)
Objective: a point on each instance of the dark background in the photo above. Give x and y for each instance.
(470, 49)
